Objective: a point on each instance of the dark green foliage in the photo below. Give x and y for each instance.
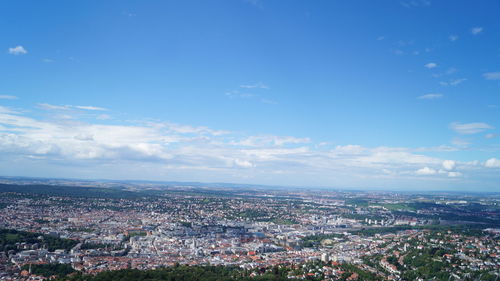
(461, 229)
(357, 202)
(426, 264)
(363, 275)
(183, 273)
(186, 224)
(380, 230)
(9, 238)
(137, 233)
(314, 240)
(392, 260)
(284, 221)
(48, 270)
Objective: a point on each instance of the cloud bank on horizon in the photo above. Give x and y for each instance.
(326, 97)
(75, 138)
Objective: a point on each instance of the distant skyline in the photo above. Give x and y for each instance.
(398, 94)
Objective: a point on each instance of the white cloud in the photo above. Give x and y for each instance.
(349, 149)
(469, 128)
(430, 96)
(453, 82)
(449, 165)
(454, 174)
(453, 38)
(187, 146)
(425, 171)
(431, 65)
(492, 75)
(170, 149)
(7, 97)
(4, 109)
(492, 163)
(185, 129)
(490, 136)
(88, 107)
(18, 50)
(243, 163)
(476, 30)
(263, 141)
(460, 142)
(47, 106)
(103, 117)
(237, 94)
(47, 60)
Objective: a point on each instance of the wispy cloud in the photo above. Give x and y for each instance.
(448, 71)
(430, 96)
(431, 65)
(453, 38)
(7, 110)
(8, 97)
(258, 85)
(453, 82)
(476, 30)
(266, 141)
(454, 174)
(492, 75)
(47, 106)
(238, 94)
(103, 117)
(47, 60)
(460, 142)
(470, 128)
(243, 93)
(88, 107)
(18, 50)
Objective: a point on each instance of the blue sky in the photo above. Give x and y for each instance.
(367, 94)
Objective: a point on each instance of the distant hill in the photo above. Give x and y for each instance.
(72, 191)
